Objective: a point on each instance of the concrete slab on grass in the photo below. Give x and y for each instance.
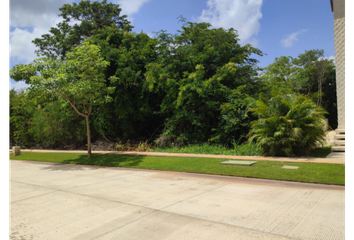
(290, 167)
(238, 163)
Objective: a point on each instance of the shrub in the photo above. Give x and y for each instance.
(164, 141)
(288, 125)
(119, 146)
(144, 147)
(141, 146)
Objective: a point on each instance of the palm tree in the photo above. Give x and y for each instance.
(287, 125)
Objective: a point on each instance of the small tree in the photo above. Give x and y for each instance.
(79, 80)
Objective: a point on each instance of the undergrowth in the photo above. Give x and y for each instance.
(205, 148)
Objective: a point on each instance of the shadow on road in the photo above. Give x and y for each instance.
(63, 167)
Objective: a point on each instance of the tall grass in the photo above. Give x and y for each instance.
(237, 150)
(205, 148)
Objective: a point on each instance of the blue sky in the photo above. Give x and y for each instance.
(276, 27)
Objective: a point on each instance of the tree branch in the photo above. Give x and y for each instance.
(105, 137)
(151, 135)
(72, 105)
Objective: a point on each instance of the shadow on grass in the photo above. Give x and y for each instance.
(110, 160)
(321, 152)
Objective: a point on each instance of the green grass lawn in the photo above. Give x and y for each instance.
(238, 150)
(307, 172)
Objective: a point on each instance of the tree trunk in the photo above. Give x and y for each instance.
(88, 137)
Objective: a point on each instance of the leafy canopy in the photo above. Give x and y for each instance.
(79, 79)
(80, 22)
(197, 70)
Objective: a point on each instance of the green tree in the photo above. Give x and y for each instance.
(131, 112)
(43, 120)
(21, 113)
(79, 80)
(132, 107)
(196, 71)
(56, 124)
(283, 77)
(321, 83)
(235, 119)
(309, 74)
(80, 22)
(287, 125)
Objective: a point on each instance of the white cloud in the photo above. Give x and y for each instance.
(35, 13)
(41, 15)
(21, 46)
(328, 58)
(129, 7)
(242, 15)
(253, 42)
(150, 34)
(290, 39)
(18, 85)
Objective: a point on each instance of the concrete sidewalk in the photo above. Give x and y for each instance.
(336, 159)
(59, 201)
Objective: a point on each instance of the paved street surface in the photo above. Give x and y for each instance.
(56, 201)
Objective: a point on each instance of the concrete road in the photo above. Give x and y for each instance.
(55, 201)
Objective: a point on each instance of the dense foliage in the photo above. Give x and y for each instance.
(79, 22)
(310, 75)
(202, 72)
(44, 121)
(193, 87)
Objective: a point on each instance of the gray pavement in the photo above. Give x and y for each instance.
(58, 201)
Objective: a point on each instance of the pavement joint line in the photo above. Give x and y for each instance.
(86, 195)
(126, 224)
(31, 197)
(200, 219)
(97, 182)
(28, 176)
(193, 196)
(81, 194)
(53, 190)
(153, 209)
